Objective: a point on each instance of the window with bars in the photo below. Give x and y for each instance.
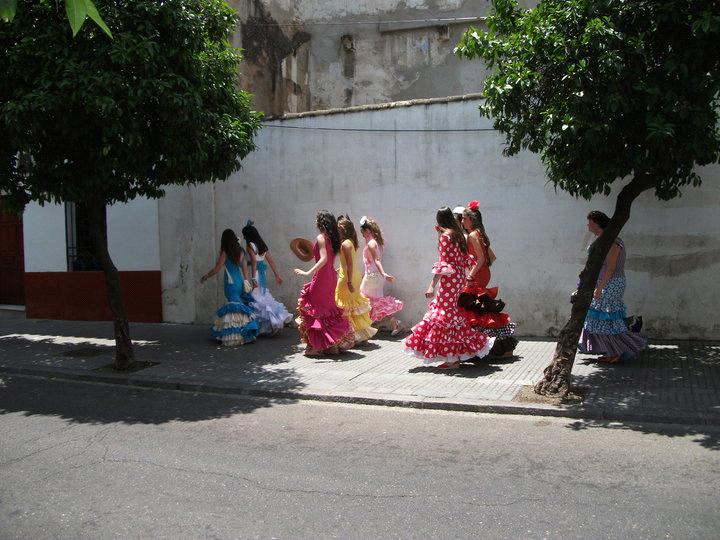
(80, 255)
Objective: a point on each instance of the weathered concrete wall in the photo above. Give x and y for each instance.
(337, 55)
(401, 178)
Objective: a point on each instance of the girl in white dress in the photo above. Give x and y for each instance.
(270, 314)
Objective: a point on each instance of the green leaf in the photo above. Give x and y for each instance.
(7, 9)
(95, 16)
(76, 12)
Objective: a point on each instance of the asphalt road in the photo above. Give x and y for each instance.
(97, 461)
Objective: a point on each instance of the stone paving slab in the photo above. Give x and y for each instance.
(671, 381)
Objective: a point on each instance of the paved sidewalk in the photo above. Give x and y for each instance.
(676, 382)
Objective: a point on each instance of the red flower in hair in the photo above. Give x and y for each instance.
(473, 205)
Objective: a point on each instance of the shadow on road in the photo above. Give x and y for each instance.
(103, 404)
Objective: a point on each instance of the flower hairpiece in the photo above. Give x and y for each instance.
(363, 220)
(473, 205)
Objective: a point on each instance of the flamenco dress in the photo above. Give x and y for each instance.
(355, 306)
(235, 323)
(321, 323)
(604, 331)
(444, 335)
(270, 314)
(373, 288)
(484, 310)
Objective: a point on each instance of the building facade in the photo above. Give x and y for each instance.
(307, 56)
(62, 280)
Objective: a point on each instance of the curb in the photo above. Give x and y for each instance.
(480, 406)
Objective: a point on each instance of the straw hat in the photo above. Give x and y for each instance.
(302, 248)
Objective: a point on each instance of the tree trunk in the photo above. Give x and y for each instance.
(556, 377)
(124, 356)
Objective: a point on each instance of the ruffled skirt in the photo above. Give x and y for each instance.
(323, 327)
(357, 310)
(235, 325)
(605, 331)
(381, 305)
(484, 311)
(270, 314)
(443, 336)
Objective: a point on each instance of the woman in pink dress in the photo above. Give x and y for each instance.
(443, 338)
(373, 282)
(323, 326)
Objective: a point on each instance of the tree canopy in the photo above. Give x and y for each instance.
(605, 89)
(118, 118)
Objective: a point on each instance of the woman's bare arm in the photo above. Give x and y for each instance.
(271, 262)
(215, 269)
(321, 261)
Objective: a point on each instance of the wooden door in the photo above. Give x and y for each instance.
(12, 259)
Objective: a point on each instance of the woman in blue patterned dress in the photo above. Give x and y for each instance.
(235, 323)
(605, 331)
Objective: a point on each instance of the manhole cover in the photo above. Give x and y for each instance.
(85, 352)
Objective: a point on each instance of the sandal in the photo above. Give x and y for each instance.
(449, 365)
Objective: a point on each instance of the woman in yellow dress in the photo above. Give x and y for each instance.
(347, 293)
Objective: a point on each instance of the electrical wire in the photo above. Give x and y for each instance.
(373, 130)
(438, 21)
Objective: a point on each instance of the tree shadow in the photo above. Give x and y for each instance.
(84, 403)
(706, 436)
(675, 381)
(183, 358)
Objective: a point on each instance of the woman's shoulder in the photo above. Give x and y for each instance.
(475, 235)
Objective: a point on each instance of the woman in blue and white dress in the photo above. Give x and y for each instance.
(605, 331)
(235, 322)
(270, 314)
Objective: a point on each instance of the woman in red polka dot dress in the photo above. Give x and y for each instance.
(443, 337)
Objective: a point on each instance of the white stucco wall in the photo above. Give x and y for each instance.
(44, 238)
(133, 238)
(133, 235)
(401, 178)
